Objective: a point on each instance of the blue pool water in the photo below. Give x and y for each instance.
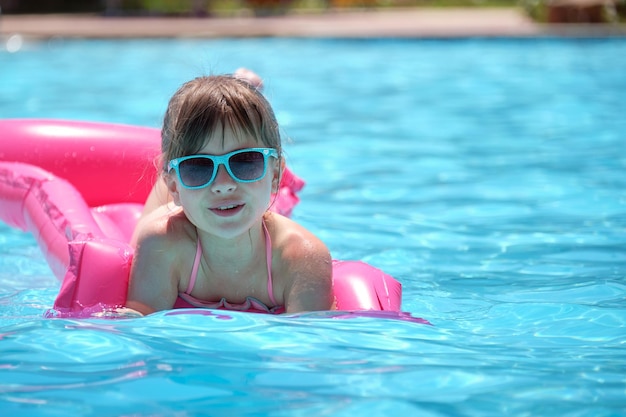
(488, 176)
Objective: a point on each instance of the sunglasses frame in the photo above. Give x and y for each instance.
(221, 160)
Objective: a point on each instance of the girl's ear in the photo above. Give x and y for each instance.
(172, 188)
(277, 174)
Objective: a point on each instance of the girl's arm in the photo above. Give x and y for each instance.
(309, 267)
(152, 287)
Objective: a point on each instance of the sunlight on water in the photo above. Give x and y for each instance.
(488, 176)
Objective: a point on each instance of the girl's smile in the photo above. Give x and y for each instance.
(227, 210)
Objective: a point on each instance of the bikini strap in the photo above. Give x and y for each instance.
(268, 251)
(194, 270)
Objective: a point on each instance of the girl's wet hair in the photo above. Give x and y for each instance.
(205, 104)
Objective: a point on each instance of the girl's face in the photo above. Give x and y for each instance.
(227, 208)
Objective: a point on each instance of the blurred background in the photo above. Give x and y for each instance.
(550, 11)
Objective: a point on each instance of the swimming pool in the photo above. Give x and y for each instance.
(488, 176)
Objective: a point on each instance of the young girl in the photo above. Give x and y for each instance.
(215, 244)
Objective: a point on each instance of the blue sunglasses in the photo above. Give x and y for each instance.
(244, 165)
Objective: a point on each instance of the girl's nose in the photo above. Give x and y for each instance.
(223, 182)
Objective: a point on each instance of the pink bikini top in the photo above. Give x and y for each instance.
(185, 300)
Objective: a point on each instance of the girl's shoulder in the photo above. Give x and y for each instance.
(292, 240)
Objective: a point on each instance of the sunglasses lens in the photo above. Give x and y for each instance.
(247, 166)
(196, 172)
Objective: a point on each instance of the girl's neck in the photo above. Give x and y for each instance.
(241, 250)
